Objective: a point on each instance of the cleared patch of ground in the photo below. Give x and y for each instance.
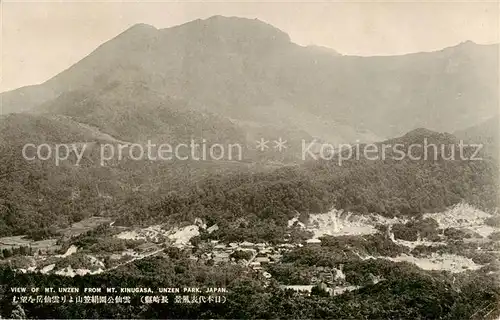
(177, 235)
(337, 223)
(449, 262)
(465, 217)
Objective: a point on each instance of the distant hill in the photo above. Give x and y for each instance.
(251, 72)
(412, 183)
(136, 113)
(486, 133)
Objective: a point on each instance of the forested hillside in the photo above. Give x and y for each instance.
(266, 201)
(239, 195)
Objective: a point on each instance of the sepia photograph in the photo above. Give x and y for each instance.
(249, 159)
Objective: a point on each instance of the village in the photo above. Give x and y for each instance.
(43, 256)
(123, 245)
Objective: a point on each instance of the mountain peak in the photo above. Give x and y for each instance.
(419, 134)
(470, 46)
(233, 29)
(136, 32)
(236, 20)
(467, 43)
(143, 26)
(140, 29)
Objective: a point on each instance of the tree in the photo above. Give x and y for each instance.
(7, 253)
(320, 290)
(18, 312)
(241, 255)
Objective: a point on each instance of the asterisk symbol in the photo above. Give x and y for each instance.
(280, 144)
(262, 144)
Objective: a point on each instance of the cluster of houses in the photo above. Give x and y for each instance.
(259, 254)
(332, 291)
(328, 276)
(331, 280)
(333, 284)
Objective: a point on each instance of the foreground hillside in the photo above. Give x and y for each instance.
(365, 238)
(388, 187)
(39, 196)
(390, 268)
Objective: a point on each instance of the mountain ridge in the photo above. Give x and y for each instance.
(220, 64)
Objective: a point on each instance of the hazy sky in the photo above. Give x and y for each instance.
(40, 39)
